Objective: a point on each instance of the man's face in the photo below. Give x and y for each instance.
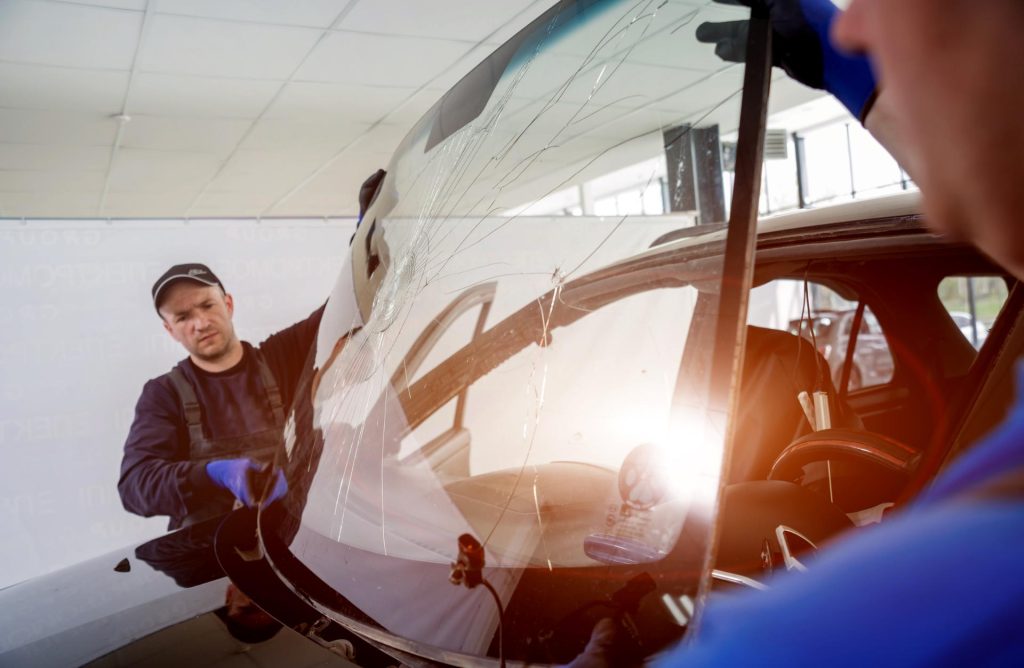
(199, 318)
(951, 74)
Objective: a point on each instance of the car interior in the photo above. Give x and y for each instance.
(886, 440)
(800, 473)
(882, 441)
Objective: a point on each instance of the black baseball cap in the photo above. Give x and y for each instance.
(198, 273)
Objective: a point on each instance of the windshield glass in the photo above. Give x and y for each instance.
(519, 349)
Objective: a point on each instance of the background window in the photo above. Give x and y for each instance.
(780, 305)
(973, 303)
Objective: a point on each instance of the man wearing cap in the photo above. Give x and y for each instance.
(206, 432)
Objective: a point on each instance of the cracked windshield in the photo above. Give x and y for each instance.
(519, 347)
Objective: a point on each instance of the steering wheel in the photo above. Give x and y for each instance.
(860, 452)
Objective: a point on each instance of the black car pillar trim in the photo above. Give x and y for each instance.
(738, 265)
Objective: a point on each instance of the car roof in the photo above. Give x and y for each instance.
(902, 205)
(869, 217)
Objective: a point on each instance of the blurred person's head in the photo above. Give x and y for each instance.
(951, 73)
(244, 620)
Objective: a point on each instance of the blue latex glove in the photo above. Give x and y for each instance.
(802, 47)
(240, 476)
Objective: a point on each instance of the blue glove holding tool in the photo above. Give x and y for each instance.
(247, 479)
(801, 47)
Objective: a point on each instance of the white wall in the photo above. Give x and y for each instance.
(78, 339)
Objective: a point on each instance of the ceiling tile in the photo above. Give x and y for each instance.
(143, 172)
(50, 127)
(452, 19)
(163, 204)
(231, 203)
(50, 181)
(181, 45)
(227, 208)
(333, 190)
(410, 111)
(133, 5)
(61, 89)
(794, 106)
(789, 94)
(184, 134)
(49, 205)
(722, 88)
(50, 33)
(199, 97)
(72, 158)
(274, 171)
(343, 176)
(356, 58)
(296, 147)
(383, 138)
(316, 205)
(355, 103)
(300, 134)
(310, 13)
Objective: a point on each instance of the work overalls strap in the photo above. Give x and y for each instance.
(189, 404)
(270, 387)
(262, 445)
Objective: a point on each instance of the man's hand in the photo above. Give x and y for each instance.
(241, 477)
(802, 47)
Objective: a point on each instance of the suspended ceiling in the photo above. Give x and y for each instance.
(246, 108)
(212, 108)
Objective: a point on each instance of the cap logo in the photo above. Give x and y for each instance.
(193, 271)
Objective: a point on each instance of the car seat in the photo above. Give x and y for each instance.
(777, 366)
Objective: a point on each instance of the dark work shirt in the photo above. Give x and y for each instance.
(157, 476)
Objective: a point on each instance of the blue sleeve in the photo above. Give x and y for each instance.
(1001, 451)
(848, 77)
(938, 587)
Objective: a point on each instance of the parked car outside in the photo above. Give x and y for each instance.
(973, 329)
(872, 361)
